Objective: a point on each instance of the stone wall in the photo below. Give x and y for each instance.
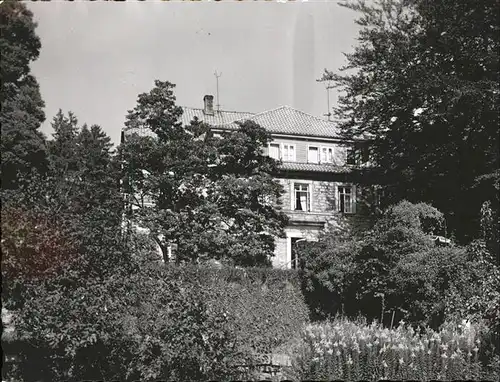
(323, 194)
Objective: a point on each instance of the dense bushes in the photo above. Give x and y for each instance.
(264, 305)
(127, 327)
(393, 272)
(34, 246)
(349, 351)
(163, 322)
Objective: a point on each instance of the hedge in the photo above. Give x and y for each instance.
(163, 322)
(265, 305)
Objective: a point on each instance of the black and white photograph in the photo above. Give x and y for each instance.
(260, 190)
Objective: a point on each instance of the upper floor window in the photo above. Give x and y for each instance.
(326, 154)
(288, 152)
(274, 151)
(320, 154)
(350, 155)
(346, 199)
(283, 151)
(312, 154)
(357, 154)
(302, 197)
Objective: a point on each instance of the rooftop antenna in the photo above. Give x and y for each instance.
(328, 87)
(217, 81)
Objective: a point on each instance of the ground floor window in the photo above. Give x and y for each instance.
(302, 197)
(345, 197)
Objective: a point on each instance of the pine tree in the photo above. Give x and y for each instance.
(23, 145)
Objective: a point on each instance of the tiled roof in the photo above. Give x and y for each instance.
(314, 167)
(220, 117)
(283, 120)
(287, 120)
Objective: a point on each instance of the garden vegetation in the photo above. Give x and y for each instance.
(85, 296)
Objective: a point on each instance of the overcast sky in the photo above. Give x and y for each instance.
(97, 57)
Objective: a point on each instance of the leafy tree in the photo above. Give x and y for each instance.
(23, 145)
(68, 219)
(326, 270)
(211, 197)
(85, 187)
(422, 85)
(394, 267)
(35, 246)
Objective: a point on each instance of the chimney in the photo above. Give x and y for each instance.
(208, 105)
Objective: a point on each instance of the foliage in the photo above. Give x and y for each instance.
(326, 270)
(23, 145)
(83, 187)
(35, 246)
(422, 85)
(265, 305)
(394, 267)
(139, 326)
(490, 224)
(206, 195)
(422, 281)
(155, 322)
(67, 219)
(344, 350)
(475, 293)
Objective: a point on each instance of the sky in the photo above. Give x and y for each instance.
(97, 57)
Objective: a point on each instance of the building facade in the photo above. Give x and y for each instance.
(315, 169)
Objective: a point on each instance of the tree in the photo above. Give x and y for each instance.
(63, 147)
(23, 145)
(211, 197)
(422, 85)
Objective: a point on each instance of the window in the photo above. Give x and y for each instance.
(313, 155)
(284, 151)
(274, 150)
(321, 154)
(302, 197)
(288, 152)
(346, 202)
(351, 155)
(326, 154)
(365, 153)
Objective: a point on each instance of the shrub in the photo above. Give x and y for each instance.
(35, 246)
(125, 327)
(163, 322)
(345, 350)
(326, 269)
(360, 273)
(475, 292)
(265, 306)
(393, 272)
(421, 281)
